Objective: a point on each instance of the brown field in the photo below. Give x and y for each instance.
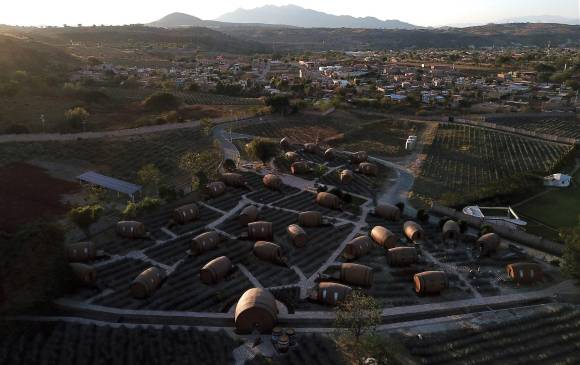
(29, 193)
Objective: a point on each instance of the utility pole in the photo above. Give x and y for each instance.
(42, 122)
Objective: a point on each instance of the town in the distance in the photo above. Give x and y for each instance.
(288, 186)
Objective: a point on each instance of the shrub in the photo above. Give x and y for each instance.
(262, 149)
(161, 101)
(76, 118)
(485, 229)
(85, 216)
(422, 216)
(169, 193)
(401, 206)
(146, 205)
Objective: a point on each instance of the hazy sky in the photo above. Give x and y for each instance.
(420, 12)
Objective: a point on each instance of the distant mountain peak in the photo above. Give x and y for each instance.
(176, 20)
(297, 16)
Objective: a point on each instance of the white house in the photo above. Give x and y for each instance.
(558, 180)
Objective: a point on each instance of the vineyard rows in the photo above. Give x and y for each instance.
(568, 128)
(215, 99)
(66, 343)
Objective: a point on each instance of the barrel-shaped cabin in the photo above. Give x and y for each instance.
(84, 273)
(310, 147)
(384, 237)
(297, 235)
(248, 215)
(215, 270)
(330, 154)
(205, 242)
(300, 167)
(430, 282)
(81, 251)
(272, 181)
(270, 252)
(346, 177)
(358, 157)
(358, 247)
(310, 219)
(285, 144)
(292, 156)
(488, 244)
(260, 231)
(147, 283)
(388, 212)
(185, 213)
(450, 231)
(328, 200)
(215, 189)
(368, 168)
(131, 229)
(356, 274)
(413, 231)
(402, 256)
(525, 272)
(233, 179)
(256, 311)
(330, 293)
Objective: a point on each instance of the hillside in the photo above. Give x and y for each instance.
(504, 35)
(32, 57)
(137, 35)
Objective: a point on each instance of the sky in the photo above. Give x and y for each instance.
(418, 12)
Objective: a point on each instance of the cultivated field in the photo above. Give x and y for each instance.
(215, 99)
(463, 159)
(561, 127)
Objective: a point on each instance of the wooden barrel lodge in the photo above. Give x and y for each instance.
(215, 189)
(310, 148)
(248, 215)
(368, 168)
(356, 274)
(256, 310)
(131, 229)
(300, 167)
(451, 231)
(330, 293)
(272, 181)
(233, 179)
(310, 219)
(329, 154)
(430, 282)
(413, 231)
(388, 212)
(346, 177)
(358, 247)
(292, 156)
(402, 256)
(146, 283)
(297, 235)
(215, 270)
(285, 144)
(383, 237)
(328, 200)
(81, 251)
(260, 231)
(488, 244)
(358, 157)
(525, 272)
(269, 251)
(205, 242)
(186, 213)
(84, 273)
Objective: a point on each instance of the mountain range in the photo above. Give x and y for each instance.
(296, 16)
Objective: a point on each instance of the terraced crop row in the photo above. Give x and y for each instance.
(545, 337)
(70, 344)
(568, 128)
(215, 99)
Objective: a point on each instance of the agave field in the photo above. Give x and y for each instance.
(463, 159)
(70, 343)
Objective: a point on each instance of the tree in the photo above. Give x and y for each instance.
(262, 149)
(85, 216)
(33, 265)
(199, 165)
(278, 103)
(571, 255)
(357, 316)
(161, 101)
(150, 176)
(76, 118)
